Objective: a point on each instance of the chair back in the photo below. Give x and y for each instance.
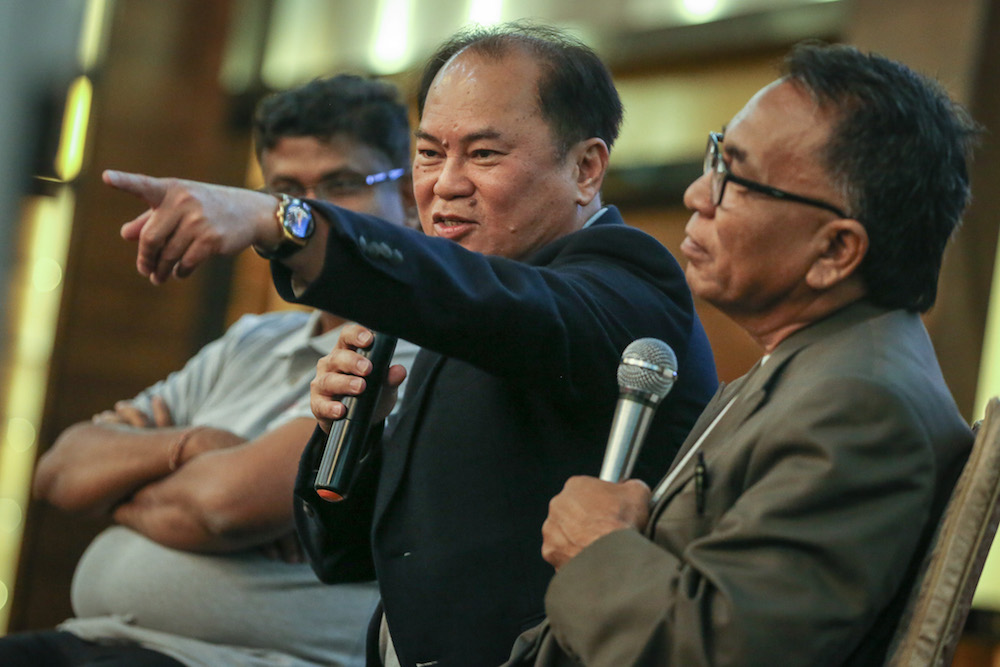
(931, 625)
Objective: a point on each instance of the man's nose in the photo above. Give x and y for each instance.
(698, 195)
(453, 180)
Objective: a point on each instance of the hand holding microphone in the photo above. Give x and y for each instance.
(587, 508)
(645, 375)
(345, 445)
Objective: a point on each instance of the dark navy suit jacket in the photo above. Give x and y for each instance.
(513, 393)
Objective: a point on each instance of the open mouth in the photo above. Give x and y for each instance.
(452, 227)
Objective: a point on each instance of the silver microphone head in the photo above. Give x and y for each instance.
(648, 366)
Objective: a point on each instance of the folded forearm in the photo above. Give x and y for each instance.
(93, 466)
(223, 500)
(199, 518)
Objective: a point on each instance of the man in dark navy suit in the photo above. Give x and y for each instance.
(523, 292)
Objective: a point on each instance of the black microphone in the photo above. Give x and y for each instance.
(346, 443)
(645, 375)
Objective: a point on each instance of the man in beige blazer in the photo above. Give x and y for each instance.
(787, 529)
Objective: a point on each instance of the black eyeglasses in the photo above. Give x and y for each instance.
(719, 170)
(339, 186)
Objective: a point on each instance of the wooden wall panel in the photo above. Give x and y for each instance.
(158, 108)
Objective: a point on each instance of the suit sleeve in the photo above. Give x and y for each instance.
(566, 321)
(812, 549)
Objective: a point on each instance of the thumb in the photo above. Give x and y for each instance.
(396, 375)
(148, 188)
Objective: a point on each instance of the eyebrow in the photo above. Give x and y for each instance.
(467, 139)
(732, 152)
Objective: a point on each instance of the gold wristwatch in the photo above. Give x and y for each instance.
(295, 218)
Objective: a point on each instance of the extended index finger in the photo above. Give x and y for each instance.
(148, 188)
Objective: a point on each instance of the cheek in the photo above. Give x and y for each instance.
(423, 185)
(423, 197)
(519, 201)
(497, 190)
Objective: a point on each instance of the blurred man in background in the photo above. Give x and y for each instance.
(203, 567)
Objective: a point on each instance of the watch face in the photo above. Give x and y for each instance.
(298, 220)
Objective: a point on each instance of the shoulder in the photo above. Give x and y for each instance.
(887, 347)
(610, 240)
(611, 225)
(879, 370)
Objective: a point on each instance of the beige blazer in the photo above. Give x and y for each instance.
(821, 485)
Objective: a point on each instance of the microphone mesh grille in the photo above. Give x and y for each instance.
(648, 365)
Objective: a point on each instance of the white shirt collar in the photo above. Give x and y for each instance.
(594, 217)
(305, 337)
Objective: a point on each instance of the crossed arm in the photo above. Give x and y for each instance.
(225, 494)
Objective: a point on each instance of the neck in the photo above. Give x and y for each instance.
(771, 327)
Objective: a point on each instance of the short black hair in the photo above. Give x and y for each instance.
(364, 109)
(899, 152)
(576, 93)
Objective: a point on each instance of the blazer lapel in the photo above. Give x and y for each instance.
(719, 401)
(714, 406)
(398, 441)
(747, 393)
(751, 391)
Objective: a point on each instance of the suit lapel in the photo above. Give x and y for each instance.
(718, 403)
(712, 409)
(751, 391)
(747, 394)
(398, 442)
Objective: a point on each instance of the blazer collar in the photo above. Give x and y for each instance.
(846, 317)
(752, 390)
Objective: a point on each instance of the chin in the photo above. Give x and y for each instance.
(704, 290)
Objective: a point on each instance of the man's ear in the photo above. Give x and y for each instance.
(590, 159)
(843, 244)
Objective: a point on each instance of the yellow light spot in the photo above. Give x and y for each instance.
(20, 434)
(485, 12)
(700, 10)
(10, 515)
(69, 157)
(389, 50)
(46, 274)
(92, 33)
